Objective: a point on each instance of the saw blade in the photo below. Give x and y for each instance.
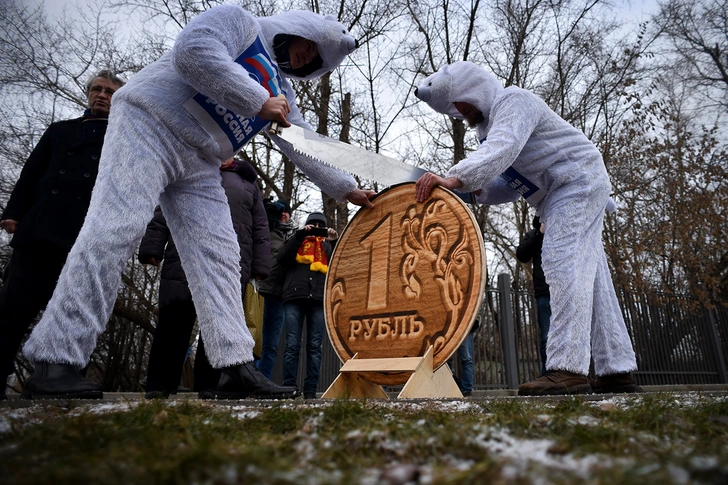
(355, 160)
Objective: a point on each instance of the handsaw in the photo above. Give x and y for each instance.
(355, 160)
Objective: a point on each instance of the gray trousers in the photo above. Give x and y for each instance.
(142, 163)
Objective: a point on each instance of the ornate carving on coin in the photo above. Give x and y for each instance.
(405, 276)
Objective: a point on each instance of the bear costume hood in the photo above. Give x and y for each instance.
(333, 40)
(460, 82)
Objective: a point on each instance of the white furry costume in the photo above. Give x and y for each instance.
(155, 151)
(520, 132)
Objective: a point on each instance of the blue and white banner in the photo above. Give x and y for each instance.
(528, 190)
(230, 130)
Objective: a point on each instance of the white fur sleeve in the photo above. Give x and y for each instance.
(336, 183)
(204, 57)
(514, 117)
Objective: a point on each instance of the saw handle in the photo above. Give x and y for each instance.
(273, 130)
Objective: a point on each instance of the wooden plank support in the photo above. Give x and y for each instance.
(424, 382)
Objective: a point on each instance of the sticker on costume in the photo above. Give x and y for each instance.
(230, 130)
(528, 190)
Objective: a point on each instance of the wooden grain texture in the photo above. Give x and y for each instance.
(405, 276)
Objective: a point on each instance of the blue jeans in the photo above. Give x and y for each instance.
(313, 312)
(467, 367)
(273, 318)
(543, 304)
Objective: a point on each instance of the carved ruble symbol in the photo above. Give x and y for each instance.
(405, 276)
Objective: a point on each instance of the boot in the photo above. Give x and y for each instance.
(556, 382)
(245, 380)
(616, 383)
(156, 395)
(59, 381)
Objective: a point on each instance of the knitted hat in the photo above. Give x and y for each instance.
(316, 217)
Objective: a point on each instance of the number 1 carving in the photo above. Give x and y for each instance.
(377, 242)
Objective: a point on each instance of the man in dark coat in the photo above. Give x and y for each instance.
(530, 249)
(176, 309)
(45, 213)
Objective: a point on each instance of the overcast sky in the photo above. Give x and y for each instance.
(637, 10)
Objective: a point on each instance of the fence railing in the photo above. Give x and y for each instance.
(677, 341)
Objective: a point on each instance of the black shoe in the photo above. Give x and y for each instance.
(616, 383)
(156, 395)
(206, 394)
(467, 393)
(245, 380)
(59, 381)
(309, 395)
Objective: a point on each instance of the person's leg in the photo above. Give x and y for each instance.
(171, 341)
(206, 377)
(29, 283)
(572, 244)
(272, 324)
(137, 162)
(294, 314)
(467, 367)
(315, 331)
(543, 304)
(570, 255)
(198, 216)
(612, 351)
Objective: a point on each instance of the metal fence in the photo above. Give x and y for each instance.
(676, 340)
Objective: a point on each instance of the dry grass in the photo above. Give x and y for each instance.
(652, 438)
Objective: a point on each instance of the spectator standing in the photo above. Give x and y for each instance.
(46, 210)
(176, 310)
(530, 249)
(306, 256)
(279, 216)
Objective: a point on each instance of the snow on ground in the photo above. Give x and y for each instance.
(520, 457)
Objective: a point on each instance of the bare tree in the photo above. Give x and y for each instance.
(698, 32)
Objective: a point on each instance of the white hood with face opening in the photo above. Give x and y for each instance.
(333, 40)
(460, 82)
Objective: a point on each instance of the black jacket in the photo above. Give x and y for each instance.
(249, 221)
(52, 195)
(301, 282)
(273, 284)
(530, 248)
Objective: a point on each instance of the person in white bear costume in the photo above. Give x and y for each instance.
(528, 150)
(169, 130)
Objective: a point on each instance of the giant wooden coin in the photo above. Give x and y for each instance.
(405, 276)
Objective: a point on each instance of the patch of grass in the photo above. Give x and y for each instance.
(659, 439)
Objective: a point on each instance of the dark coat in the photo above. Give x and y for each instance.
(301, 282)
(249, 221)
(273, 284)
(52, 195)
(530, 248)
